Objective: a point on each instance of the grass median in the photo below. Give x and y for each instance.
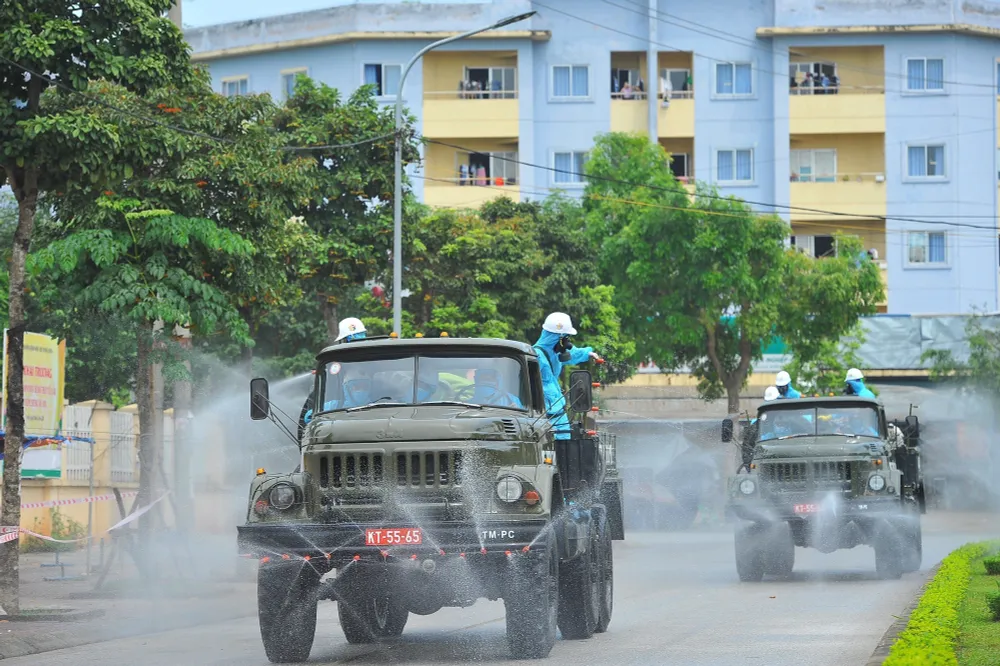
(951, 624)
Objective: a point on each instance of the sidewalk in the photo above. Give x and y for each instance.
(125, 606)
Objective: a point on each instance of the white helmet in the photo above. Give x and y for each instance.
(559, 323)
(783, 379)
(771, 393)
(349, 326)
(853, 374)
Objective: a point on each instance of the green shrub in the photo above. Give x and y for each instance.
(993, 603)
(930, 635)
(992, 565)
(62, 528)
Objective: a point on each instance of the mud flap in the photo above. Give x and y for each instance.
(573, 533)
(613, 498)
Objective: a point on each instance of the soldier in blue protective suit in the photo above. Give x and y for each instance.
(489, 392)
(348, 330)
(555, 350)
(856, 384)
(783, 383)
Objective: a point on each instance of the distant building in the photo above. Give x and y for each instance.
(877, 118)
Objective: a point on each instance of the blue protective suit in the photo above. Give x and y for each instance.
(551, 368)
(790, 393)
(355, 397)
(859, 389)
(485, 394)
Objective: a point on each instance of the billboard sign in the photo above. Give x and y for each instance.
(44, 384)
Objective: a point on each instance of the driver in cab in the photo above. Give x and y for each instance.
(488, 391)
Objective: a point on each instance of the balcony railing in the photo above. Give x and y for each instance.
(833, 90)
(634, 95)
(872, 177)
(470, 94)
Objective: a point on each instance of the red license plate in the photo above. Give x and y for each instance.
(406, 536)
(806, 508)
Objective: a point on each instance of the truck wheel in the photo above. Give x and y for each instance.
(749, 553)
(365, 618)
(531, 601)
(606, 566)
(889, 552)
(780, 560)
(580, 592)
(286, 610)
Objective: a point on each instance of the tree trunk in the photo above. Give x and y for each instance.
(149, 461)
(330, 317)
(25, 186)
(733, 397)
(182, 433)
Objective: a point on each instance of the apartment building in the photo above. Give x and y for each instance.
(873, 117)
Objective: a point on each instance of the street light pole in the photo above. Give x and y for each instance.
(397, 201)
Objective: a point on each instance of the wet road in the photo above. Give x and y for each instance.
(678, 601)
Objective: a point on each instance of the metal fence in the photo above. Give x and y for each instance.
(123, 448)
(76, 422)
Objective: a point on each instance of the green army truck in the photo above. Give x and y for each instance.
(826, 473)
(429, 477)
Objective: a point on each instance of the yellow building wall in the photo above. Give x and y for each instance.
(39, 520)
(857, 66)
(444, 70)
(856, 153)
(675, 60)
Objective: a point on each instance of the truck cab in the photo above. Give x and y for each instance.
(429, 477)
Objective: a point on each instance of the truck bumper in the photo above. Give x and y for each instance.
(841, 510)
(346, 542)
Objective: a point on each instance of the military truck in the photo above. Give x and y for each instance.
(826, 473)
(430, 477)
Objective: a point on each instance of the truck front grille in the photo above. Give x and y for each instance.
(351, 470)
(827, 475)
(429, 469)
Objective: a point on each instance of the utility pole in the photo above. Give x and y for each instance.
(174, 14)
(184, 502)
(653, 75)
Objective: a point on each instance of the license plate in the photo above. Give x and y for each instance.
(806, 508)
(407, 536)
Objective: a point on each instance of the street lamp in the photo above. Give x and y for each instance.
(397, 202)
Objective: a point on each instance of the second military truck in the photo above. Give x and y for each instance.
(429, 477)
(826, 473)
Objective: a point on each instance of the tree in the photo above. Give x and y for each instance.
(705, 282)
(829, 365)
(42, 150)
(980, 370)
(146, 266)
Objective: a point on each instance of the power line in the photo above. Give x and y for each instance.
(694, 53)
(710, 195)
(182, 130)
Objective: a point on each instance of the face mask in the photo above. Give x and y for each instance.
(783, 390)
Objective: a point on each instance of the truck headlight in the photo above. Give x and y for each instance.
(509, 489)
(282, 497)
(876, 482)
(747, 486)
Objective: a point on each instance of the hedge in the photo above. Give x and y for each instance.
(930, 635)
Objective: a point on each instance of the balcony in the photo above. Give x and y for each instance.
(857, 195)
(841, 113)
(837, 90)
(443, 195)
(674, 122)
(470, 94)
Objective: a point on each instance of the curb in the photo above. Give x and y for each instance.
(888, 639)
(54, 615)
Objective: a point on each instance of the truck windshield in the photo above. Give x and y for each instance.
(495, 381)
(810, 422)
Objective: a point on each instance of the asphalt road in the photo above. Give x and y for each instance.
(678, 601)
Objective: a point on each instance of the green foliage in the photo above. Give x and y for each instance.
(981, 370)
(62, 527)
(829, 365)
(992, 565)
(993, 603)
(933, 629)
(705, 282)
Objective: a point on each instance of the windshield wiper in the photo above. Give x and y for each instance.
(453, 402)
(794, 436)
(378, 403)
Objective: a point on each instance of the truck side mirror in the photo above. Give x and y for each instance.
(727, 430)
(581, 396)
(260, 401)
(913, 425)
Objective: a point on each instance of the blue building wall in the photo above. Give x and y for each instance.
(963, 118)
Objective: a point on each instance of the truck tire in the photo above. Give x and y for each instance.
(531, 601)
(780, 559)
(580, 592)
(889, 545)
(366, 618)
(287, 596)
(749, 553)
(606, 566)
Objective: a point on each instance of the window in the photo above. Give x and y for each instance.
(818, 246)
(806, 78)
(502, 165)
(924, 74)
(571, 81)
(926, 247)
(620, 76)
(235, 86)
(734, 79)
(385, 78)
(734, 166)
(679, 165)
(814, 166)
(680, 82)
(569, 167)
(925, 161)
(496, 82)
(288, 78)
